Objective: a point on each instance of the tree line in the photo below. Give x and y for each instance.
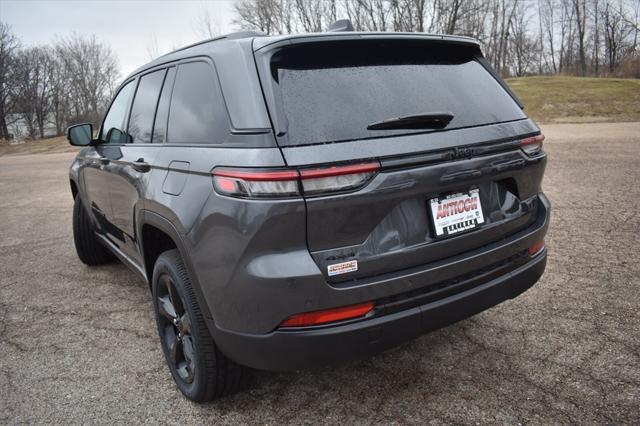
(46, 88)
(518, 37)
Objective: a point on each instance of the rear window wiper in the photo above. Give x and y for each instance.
(429, 120)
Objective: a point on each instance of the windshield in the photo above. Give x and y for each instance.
(331, 91)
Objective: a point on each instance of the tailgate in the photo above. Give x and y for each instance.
(323, 97)
(388, 225)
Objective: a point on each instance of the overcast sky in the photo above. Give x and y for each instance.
(129, 27)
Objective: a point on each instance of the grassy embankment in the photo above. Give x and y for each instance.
(577, 99)
(38, 146)
(547, 100)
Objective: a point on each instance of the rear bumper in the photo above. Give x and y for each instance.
(295, 349)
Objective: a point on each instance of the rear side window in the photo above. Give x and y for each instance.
(328, 92)
(144, 107)
(197, 113)
(114, 123)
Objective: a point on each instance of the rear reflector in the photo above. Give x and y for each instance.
(532, 145)
(265, 183)
(536, 248)
(328, 315)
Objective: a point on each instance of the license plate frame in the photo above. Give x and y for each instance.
(456, 213)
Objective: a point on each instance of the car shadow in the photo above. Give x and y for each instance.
(438, 362)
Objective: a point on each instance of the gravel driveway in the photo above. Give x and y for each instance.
(79, 344)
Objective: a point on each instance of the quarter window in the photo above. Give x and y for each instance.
(144, 107)
(197, 113)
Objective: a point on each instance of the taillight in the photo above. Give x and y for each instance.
(265, 183)
(532, 145)
(337, 178)
(256, 184)
(328, 315)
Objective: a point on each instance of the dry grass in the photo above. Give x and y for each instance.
(561, 99)
(38, 146)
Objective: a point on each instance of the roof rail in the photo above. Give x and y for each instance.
(231, 36)
(243, 34)
(341, 25)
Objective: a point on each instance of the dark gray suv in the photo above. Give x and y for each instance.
(297, 200)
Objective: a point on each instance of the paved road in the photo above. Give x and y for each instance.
(79, 344)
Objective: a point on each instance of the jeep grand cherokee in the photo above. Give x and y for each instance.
(304, 199)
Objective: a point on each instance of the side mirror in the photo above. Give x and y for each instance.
(80, 134)
(117, 136)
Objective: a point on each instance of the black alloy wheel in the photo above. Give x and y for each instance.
(175, 329)
(199, 369)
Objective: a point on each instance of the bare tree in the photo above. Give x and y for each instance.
(523, 46)
(206, 25)
(268, 16)
(368, 15)
(312, 14)
(33, 88)
(596, 38)
(579, 7)
(503, 12)
(635, 24)
(60, 95)
(8, 47)
(616, 30)
(452, 14)
(91, 68)
(409, 15)
(568, 36)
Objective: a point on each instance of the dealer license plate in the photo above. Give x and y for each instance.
(456, 213)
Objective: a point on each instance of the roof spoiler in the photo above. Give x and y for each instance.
(340, 25)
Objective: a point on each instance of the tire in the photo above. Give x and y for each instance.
(199, 369)
(89, 249)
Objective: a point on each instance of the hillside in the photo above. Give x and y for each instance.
(562, 99)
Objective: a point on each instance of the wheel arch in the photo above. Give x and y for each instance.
(158, 235)
(155, 241)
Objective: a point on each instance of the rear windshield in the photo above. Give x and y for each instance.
(331, 91)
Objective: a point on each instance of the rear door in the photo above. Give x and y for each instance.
(195, 124)
(130, 168)
(324, 98)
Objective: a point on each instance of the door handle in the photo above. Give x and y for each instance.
(104, 160)
(140, 166)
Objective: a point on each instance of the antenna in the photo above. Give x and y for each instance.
(340, 25)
